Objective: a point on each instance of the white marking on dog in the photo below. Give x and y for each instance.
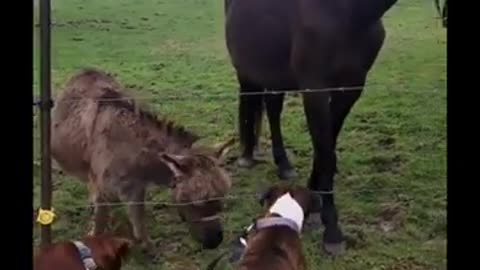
(288, 207)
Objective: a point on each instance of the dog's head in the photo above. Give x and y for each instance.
(108, 252)
(305, 197)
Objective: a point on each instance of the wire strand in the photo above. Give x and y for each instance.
(240, 197)
(198, 94)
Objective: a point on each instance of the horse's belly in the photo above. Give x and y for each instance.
(259, 43)
(263, 63)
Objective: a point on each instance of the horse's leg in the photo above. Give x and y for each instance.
(342, 102)
(310, 61)
(250, 109)
(319, 119)
(274, 104)
(257, 151)
(339, 107)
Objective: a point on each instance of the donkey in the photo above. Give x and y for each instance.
(118, 148)
(303, 44)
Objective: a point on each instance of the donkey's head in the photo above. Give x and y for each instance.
(199, 185)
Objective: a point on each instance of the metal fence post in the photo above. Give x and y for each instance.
(45, 108)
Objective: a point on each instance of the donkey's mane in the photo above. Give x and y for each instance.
(111, 95)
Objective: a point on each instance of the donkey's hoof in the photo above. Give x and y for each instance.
(335, 249)
(150, 255)
(245, 162)
(147, 248)
(287, 174)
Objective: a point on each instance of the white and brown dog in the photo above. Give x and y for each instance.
(273, 240)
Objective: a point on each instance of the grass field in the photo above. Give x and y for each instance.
(392, 152)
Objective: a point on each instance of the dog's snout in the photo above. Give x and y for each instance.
(213, 240)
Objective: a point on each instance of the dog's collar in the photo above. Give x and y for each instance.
(85, 255)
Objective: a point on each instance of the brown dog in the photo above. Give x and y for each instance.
(93, 252)
(273, 241)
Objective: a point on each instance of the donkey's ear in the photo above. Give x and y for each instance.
(174, 163)
(221, 149)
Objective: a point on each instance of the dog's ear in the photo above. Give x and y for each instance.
(108, 251)
(121, 247)
(263, 196)
(267, 195)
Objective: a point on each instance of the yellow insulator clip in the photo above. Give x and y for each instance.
(45, 217)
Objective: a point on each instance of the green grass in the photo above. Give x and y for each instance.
(392, 152)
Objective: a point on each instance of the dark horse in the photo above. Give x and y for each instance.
(303, 44)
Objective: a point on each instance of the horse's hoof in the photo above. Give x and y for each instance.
(245, 162)
(287, 174)
(335, 249)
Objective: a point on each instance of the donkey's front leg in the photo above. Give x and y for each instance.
(100, 218)
(136, 214)
(101, 212)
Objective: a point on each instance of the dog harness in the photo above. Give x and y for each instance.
(276, 221)
(85, 255)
